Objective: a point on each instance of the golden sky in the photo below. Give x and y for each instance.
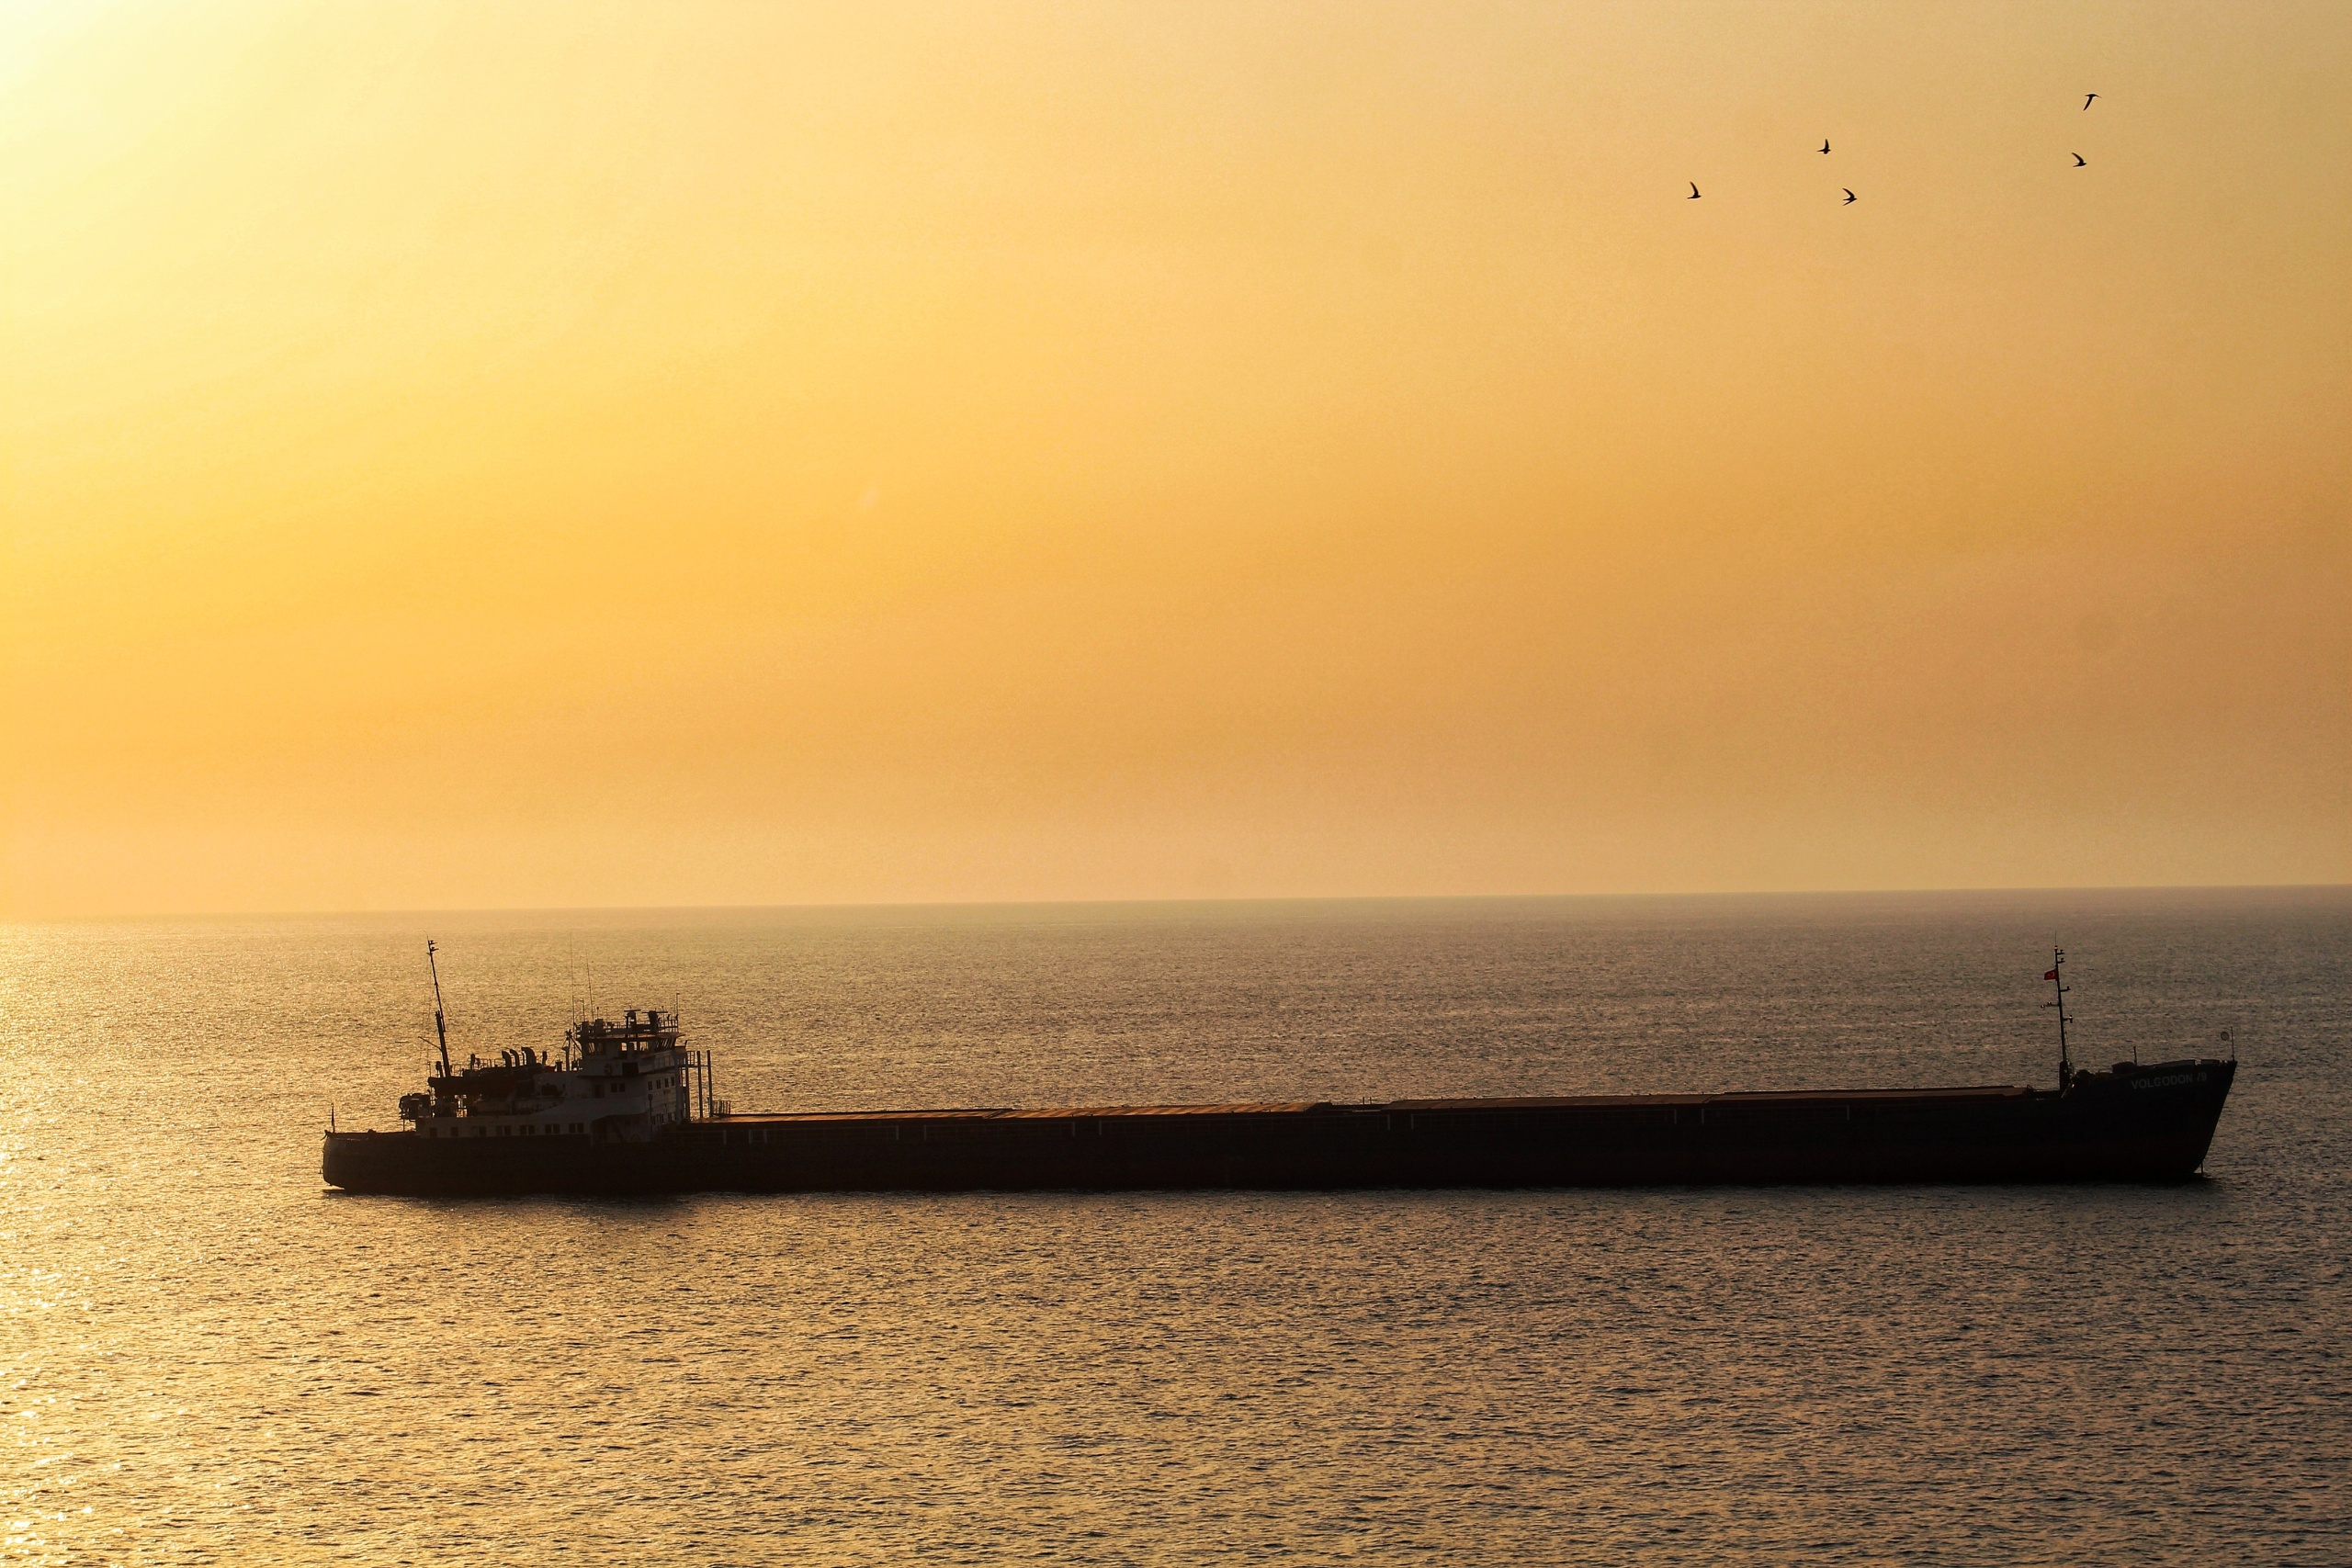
(471, 455)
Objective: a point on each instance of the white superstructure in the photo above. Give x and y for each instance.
(615, 1082)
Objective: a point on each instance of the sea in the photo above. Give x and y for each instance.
(208, 1357)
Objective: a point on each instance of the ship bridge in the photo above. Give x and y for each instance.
(634, 1035)
(620, 1081)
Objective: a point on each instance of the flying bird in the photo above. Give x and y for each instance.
(1850, 198)
(2078, 160)
(1825, 145)
(2086, 99)
(1694, 192)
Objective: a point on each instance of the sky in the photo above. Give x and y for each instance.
(463, 455)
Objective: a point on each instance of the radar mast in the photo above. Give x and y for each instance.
(2065, 1062)
(440, 1025)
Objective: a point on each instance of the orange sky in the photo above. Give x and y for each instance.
(464, 454)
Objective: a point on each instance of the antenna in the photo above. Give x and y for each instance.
(440, 1025)
(2066, 1062)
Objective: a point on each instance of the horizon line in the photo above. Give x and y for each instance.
(1191, 899)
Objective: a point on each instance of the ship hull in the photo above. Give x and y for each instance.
(2151, 1124)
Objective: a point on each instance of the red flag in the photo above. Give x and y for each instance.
(2052, 976)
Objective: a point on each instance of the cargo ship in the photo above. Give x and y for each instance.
(628, 1108)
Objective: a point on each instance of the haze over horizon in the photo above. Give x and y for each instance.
(462, 457)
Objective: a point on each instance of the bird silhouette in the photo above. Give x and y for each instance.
(2078, 160)
(1694, 192)
(1825, 145)
(1850, 198)
(2086, 99)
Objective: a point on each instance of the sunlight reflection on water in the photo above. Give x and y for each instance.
(209, 1359)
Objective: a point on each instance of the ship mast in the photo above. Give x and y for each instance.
(440, 1027)
(2066, 1062)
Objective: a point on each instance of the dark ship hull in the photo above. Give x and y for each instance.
(2133, 1124)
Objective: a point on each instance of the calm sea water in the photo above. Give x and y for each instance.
(209, 1359)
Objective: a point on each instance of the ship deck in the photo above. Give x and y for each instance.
(1305, 1107)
